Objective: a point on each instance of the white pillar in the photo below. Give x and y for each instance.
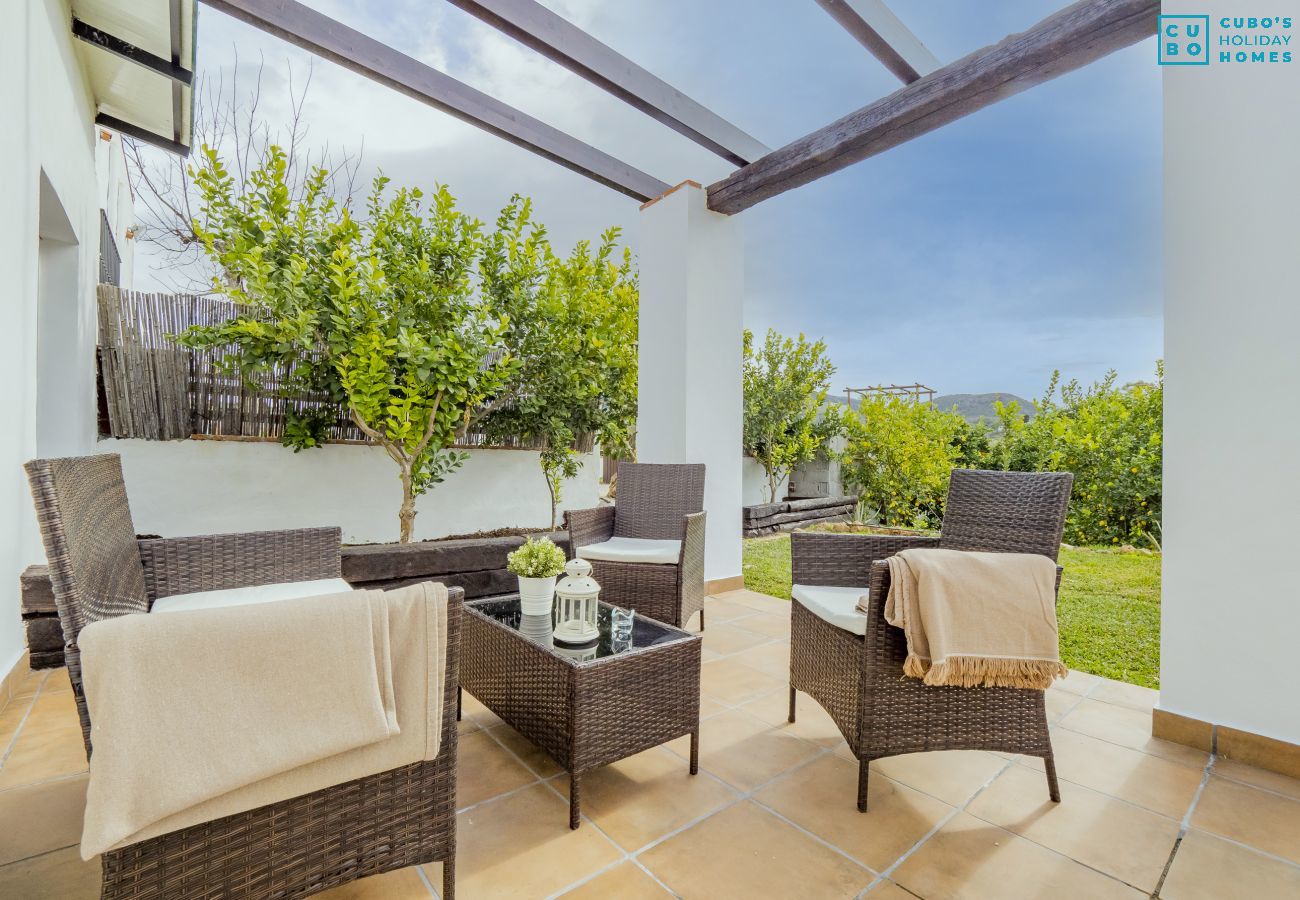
(692, 300)
(1230, 608)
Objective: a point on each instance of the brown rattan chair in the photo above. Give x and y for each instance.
(402, 817)
(655, 502)
(858, 679)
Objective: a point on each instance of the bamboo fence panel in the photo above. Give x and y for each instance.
(155, 389)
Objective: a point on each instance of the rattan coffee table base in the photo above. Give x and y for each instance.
(584, 713)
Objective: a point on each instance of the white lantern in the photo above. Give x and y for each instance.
(577, 604)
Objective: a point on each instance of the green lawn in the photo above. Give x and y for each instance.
(1109, 609)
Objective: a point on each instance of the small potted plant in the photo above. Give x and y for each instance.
(537, 563)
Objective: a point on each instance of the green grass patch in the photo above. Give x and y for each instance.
(1109, 610)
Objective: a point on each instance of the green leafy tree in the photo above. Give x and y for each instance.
(572, 324)
(1111, 438)
(899, 456)
(786, 419)
(381, 317)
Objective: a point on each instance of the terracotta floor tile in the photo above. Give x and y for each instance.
(772, 658)
(1059, 703)
(745, 852)
(626, 881)
(770, 624)
(812, 723)
(403, 884)
(39, 818)
(887, 890)
(29, 685)
(722, 609)
(472, 709)
(485, 769)
(953, 776)
(52, 711)
(1077, 682)
(970, 859)
(61, 875)
(1268, 822)
(711, 707)
(644, 797)
(1207, 868)
(759, 601)
(57, 682)
(534, 757)
(725, 638)
(521, 846)
(822, 797)
(1120, 693)
(734, 683)
(744, 751)
(13, 715)
(1129, 727)
(42, 755)
(1260, 778)
(1149, 781)
(1122, 840)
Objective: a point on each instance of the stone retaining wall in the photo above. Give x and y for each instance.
(769, 518)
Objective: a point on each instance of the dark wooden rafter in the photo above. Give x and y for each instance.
(1063, 42)
(559, 40)
(176, 38)
(876, 27)
(304, 27)
(171, 68)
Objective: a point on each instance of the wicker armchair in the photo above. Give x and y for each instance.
(655, 502)
(859, 679)
(297, 847)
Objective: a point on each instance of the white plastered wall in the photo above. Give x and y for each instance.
(689, 387)
(207, 487)
(48, 114)
(1231, 593)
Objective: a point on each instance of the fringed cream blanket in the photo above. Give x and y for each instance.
(976, 619)
(203, 714)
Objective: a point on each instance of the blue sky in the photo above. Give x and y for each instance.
(978, 258)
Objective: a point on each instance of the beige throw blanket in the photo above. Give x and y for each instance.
(203, 714)
(976, 619)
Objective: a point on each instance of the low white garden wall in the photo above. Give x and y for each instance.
(754, 483)
(209, 487)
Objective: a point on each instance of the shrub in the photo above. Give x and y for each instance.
(900, 454)
(898, 458)
(537, 558)
(1111, 438)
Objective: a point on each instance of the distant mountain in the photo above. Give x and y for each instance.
(969, 406)
(972, 406)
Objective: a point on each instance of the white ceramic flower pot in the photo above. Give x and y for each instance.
(536, 595)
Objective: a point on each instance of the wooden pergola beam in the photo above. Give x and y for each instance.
(559, 40)
(875, 27)
(1068, 40)
(304, 27)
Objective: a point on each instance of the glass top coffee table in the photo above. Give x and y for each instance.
(586, 706)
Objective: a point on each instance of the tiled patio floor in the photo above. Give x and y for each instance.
(772, 813)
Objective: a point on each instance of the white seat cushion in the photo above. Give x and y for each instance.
(633, 550)
(262, 593)
(836, 606)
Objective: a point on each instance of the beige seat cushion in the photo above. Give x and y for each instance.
(834, 605)
(633, 550)
(262, 593)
